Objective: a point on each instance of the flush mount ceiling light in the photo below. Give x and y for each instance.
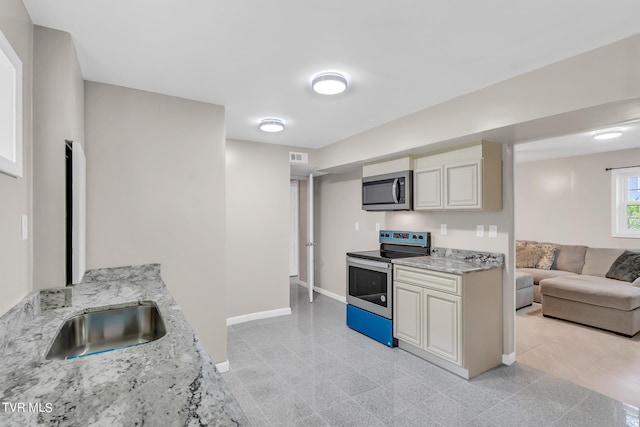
(329, 83)
(271, 125)
(604, 134)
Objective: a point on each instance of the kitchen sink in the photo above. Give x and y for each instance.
(111, 328)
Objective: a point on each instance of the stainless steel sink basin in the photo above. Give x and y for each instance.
(109, 329)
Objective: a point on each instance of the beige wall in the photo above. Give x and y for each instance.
(568, 200)
(16, 259)
(257, 227)
(338, 206)
(58, 114)
(508, 111)
(155, 193)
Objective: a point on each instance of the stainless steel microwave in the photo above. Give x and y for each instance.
(388, 192)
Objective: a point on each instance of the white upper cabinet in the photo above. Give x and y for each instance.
(428, 188)
(468, 178)
(462, 185)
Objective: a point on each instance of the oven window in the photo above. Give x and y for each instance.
(368, 285)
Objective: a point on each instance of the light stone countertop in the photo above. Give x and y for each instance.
(168, 382)
(454, 261)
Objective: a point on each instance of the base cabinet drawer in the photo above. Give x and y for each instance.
(434, 280)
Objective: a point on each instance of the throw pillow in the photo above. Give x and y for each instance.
(527, 256)
(626, 267)
(547, 255)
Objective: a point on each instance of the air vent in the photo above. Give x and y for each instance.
(298, 157)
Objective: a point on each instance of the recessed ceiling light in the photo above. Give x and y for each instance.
(607, 134)
(271, 125)
(329, 83)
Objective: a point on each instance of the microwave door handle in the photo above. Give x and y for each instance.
(394, 191)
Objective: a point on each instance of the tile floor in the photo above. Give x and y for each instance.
(596, 359)
(308, 369)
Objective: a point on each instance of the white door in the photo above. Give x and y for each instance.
(310, 238)
(78, 213)
(293, 231)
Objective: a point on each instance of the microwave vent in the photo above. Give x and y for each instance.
(295, 157)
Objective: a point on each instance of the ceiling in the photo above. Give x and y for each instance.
(256, 57)
(578, 144)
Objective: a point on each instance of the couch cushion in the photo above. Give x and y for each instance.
(539, 274)
(523, 280)
(535, 255)
(527, 254)
(570, 258)
(626, 267)
(597, 261)
(547, 255)
(593, 290)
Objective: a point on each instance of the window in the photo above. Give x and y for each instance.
(10, 110)
(625, 212)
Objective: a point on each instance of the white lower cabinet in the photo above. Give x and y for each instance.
(442, 324)
(407, 324)
(454, 321)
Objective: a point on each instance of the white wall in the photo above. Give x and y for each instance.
(257, 227)
(338, 206)
(58, 114)
(156, 193)
(16, 255)
(568, 200)
(509, 111)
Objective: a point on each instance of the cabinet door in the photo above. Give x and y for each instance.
(463, 185)
(407, 307)
(427, 192)
(442, 322)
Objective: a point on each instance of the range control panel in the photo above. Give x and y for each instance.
(413, 238)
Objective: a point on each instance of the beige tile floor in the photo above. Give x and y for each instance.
(599, 360)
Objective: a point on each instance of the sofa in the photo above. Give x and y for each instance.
(598, 287)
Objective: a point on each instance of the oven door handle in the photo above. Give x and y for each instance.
(364, 263)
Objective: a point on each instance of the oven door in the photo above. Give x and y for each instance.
(369, 286)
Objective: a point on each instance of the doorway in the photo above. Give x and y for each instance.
(294, 233)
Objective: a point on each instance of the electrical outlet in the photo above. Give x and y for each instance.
(480, 231)
(357, 226)
(493, 231)
(443, 229)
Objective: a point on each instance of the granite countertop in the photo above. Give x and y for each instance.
(168, 382)
(454, 261)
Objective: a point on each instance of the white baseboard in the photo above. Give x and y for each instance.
(324, 292)
(257, 316)
(223, 367)
(509, 359)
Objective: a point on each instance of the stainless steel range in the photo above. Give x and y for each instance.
(370, 282)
